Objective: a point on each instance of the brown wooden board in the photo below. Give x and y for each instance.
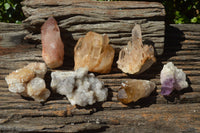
(115, 18)
(179, 113)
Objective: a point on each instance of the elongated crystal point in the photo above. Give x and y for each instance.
(135, 58)
(52, 45)
(133, 90)
(94, 52)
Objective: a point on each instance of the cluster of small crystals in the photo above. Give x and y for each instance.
(172, 78)
(135, 58)
(93, 51)
(29, 82)
(79, 87)
(133, 90)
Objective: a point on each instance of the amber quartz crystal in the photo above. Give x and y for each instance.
(52, 45)
(133, 90)
(135, 58)
(94, 52)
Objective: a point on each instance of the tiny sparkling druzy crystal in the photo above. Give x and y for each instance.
(26, 81)
(79, 87)
(135, 58)
(133, 90)
(52, 45)
(172, 78)
(93, 51)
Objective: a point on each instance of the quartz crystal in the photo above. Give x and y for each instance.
(172, 78)
(52, 45)
(36, 89)
(79, 87)
(133, 90)
(28, 81)
(93, 51)
(135, 58)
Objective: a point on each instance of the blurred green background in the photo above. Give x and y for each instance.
(177, 11)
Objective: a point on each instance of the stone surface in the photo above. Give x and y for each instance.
(172, 78)
(133, 90)
(135, 58)
(52, 45)
(93, 51)
(28, 81)
(79, 87)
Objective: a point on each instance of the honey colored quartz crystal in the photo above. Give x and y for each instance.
(94, 52)
(52, 45)
(135, 58)
(133, 90)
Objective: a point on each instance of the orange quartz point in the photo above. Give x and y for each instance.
(94, 52)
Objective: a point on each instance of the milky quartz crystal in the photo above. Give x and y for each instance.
(52, 45)
(172, 78)
(79, 87)
(93, 51)
(133, 90)
(28, 81)
(135, 58)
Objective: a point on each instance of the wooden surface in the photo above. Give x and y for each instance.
(115, 18)
(179, 113)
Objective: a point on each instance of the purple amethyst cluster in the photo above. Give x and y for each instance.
(171, 79)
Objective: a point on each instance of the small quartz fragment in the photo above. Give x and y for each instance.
(52, 45)
(171, 79)
(40, 69)
(133, 90)
(135, 58)
(79, 87)
(28, 81)
(93, 51)
(36, 89)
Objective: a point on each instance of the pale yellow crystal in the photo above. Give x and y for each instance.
(135, 58)
(36, 89)
(94, 52)
(133, 90)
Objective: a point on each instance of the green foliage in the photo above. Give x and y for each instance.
(11, 11)
(182, 11)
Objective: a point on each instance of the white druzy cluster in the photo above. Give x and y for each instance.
(79, 87)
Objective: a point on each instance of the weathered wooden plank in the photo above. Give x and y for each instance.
(153, 114)
(76, 18)
(161, 118)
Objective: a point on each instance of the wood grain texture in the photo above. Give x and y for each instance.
(115, 18)
(178, 113)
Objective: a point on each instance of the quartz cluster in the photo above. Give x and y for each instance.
(172, 78)
(135, 58)
(133, 90)
(52, 45)
(93, 51)
(79, 87)
(29, 82)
